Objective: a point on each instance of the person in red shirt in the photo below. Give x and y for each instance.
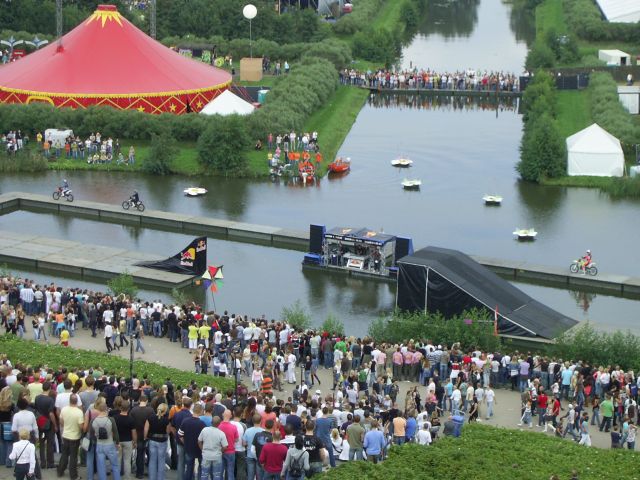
(229, 455)
(556, 411)
(272, 458)
(542, 406)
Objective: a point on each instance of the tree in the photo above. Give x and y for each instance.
(540, 56)
(333, 325)
(162, 152)
(123, 285)
(296, 316)
(543, 152)
(222, 145)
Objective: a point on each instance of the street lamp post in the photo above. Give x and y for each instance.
(250, 11)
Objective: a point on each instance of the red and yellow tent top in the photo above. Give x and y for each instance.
(108, 61)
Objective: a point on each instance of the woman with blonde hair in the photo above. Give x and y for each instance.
(156, 430)
(24, 455)
(90, 415)
(6, 413)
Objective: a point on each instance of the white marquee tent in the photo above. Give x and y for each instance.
(228, 103)
(623, 11)
(594, 152)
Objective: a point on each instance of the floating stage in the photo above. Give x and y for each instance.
(94, 262)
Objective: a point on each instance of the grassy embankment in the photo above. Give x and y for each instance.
(489, 453)
(37, 354)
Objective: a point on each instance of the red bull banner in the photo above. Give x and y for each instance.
(191, 260)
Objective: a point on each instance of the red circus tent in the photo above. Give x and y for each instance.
(108, 61)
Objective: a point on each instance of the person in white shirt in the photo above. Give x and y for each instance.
(108, 333)
(291, 368)
(490, 397)
(456, 398)
(23, 454)
(423, 437)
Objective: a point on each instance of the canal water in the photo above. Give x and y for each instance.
(462, 149)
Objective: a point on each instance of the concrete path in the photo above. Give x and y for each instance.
(163, 352)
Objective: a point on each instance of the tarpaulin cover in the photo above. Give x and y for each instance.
(448, 281)
(106, 60)
(192, 260)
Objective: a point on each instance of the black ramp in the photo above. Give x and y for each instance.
(192, 260)
(456, 283)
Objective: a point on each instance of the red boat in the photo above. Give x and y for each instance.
(307, 171)
(340, 165)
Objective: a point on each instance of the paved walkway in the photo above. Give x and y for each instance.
(163, 352)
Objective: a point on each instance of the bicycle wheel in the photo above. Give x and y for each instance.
(125, 205)
(140, 207)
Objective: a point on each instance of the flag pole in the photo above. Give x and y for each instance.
(213, 299)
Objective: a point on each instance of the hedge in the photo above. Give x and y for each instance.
(490, 453)
(471, 329)
(37, 354)
(587, 21)
(608, 112)
(288, 105)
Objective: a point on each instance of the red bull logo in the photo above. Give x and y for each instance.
(188, 257)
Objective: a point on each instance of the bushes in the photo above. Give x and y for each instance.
(307, 87)
(488, 453)
(357, 21)
(123, 285)
(296, 315)
(36, 355)
(402, 326)
(23, 162)
(223, 144)
(542, 148)
(377, 45)
(608, 112)
(587, 22)
(599, 348)
(333, 325)
(163, 149)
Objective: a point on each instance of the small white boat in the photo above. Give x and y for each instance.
(413, 184)
(195, 191)
(525, 233)
(401, 162)
(492, 199)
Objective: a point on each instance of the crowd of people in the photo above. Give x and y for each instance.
(431, 80)
(257, 431)
(95, 148)
(13, 141)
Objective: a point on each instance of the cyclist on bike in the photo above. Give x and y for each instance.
(135, 198)
(64, 189)
(585, 261)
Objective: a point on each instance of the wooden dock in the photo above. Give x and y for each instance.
(91, 262)
(623, 285)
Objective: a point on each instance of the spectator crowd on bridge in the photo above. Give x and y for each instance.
(470, 80)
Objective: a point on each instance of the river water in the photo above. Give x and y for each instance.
(461, 149)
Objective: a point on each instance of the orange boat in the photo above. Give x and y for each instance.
(307, 171)
(340, 165)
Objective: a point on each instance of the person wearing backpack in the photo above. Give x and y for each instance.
(296, 463)
(105, 433)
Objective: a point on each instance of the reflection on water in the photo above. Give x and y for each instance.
(522, 21)
(583, 299)
(450, 18)
(443, 102)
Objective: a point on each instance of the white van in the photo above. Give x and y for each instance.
(57, 137)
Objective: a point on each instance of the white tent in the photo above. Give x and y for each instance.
(227, 103)
(623, 11)
(594, 152)
(614, 57)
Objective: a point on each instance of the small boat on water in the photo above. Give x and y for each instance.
(413, 184)
(307, 172)
(492, 200)
(525, 233)
(401, 162)
(195, 191)
(340, 165)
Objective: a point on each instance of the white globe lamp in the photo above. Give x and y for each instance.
(249, 12)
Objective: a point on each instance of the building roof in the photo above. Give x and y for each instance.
(107, 55)
(623, 11)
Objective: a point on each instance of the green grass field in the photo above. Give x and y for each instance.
(549, 14)
(574, 111)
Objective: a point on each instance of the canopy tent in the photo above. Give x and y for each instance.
(614, 57)
(447, 281)
(228, 103)
(106, 60)
(594, 152)
(623, 11)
